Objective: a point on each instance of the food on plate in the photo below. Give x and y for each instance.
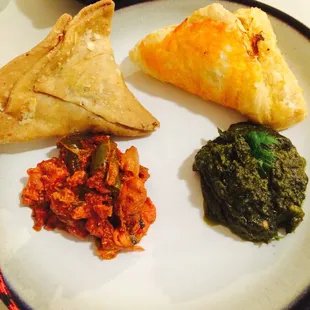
(92, 189)
(229, 58)
(70, 83)
(253, 181)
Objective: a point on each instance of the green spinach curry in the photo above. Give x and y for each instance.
(253, 181)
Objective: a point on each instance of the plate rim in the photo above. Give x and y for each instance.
(302, 301)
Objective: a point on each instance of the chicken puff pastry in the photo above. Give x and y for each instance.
(228, 58)
(70, 83)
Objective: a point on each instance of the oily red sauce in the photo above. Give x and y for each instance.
(109, 202)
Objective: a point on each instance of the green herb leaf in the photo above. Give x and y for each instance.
(259, 142)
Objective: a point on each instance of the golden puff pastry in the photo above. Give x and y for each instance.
(228, 58)
(70, 83)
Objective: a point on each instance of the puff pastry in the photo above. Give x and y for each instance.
(70, 83)
(228, 58)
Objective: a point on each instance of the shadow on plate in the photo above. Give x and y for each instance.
(54, 152)
(4, 4)
(44, 13)
(126, 139)
(192, 180)
(21, 147)
(23, 181)
(220, 116)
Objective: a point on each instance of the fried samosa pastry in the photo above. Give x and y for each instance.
(229, 58)
(70, 83)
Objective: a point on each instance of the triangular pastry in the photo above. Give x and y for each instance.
(228, 58)
(70, 83)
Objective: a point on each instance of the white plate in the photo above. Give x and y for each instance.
(187, 264)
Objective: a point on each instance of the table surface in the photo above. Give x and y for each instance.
(300, 9)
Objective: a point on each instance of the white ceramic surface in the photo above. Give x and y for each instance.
(187, 264)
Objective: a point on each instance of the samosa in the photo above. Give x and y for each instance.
(229, 58)
(70, 83)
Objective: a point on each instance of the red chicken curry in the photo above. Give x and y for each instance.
(92, 189)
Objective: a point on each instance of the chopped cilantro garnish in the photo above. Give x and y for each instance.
(260, 142)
